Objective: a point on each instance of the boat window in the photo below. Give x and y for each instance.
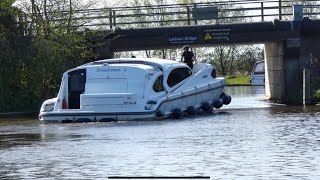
(178, 75)
(259, 68)
(76, 82)
(214, 73)
(76, 86)
(157, 86)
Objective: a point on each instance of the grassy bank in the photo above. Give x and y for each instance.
(238, 80)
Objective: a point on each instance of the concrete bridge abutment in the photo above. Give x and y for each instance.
(274, 70)
(284, 71)
(285, 61)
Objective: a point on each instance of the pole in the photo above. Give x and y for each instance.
(262, 14)
(194, 7)
(188, 15)
(306, 86)
(280, 10)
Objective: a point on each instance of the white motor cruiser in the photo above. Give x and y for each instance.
(134, 89)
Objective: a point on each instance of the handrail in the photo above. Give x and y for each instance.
(182, 14)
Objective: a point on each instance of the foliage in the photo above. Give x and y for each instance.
(315, 82)
(31, 66)
(247, 57)
(232, 60)
(185, 1)
(238, 80)
(317, 94)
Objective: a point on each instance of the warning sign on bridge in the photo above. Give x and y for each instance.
(217, 34)
(208, 37)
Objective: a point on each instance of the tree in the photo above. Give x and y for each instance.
(247, 58)
(8, 31)
(33, 64)
(8, 22)
(222, 57)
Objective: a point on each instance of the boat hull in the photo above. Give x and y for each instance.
(125, 90)
(95, 117)
(192, 101)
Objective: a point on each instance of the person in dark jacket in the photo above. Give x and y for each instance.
(187, 56)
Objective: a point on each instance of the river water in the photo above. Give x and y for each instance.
(249, 139)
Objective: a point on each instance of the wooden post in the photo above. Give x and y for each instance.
(306, 86)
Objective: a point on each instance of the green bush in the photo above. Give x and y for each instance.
(317, 94)
(239, 80)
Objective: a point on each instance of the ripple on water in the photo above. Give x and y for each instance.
(252, 139)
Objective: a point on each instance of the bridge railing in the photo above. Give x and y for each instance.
(185, 14)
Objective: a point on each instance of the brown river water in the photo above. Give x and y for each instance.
(249, 139)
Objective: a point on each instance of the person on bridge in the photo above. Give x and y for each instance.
(187, 56)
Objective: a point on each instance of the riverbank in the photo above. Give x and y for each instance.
(19, 114)
(238, 80)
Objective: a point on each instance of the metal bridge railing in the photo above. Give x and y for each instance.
(183, 14)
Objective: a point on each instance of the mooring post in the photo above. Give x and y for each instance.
(306, 86)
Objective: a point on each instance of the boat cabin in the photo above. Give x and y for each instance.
(257, 76)
(129, 89)
(114, 84)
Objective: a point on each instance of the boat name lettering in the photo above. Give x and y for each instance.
(108, 70)
(129, 103)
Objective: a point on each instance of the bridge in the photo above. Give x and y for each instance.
(287, 48)
(291, 34)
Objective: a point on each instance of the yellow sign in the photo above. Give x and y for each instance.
(208, 37)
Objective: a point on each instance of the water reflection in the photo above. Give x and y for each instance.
(245, 91)
(251, 139)
(245, 97)
(10, 140)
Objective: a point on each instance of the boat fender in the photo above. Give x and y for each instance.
(226, 99)
(66, 121)
(206, 107)
(177, 113)
(83, 120)
(222, 95)
(198, 109)
(159, 113)
(107, 120)
(218, 103)
(191, 110)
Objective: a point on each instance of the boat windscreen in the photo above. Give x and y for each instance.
(259, 68)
